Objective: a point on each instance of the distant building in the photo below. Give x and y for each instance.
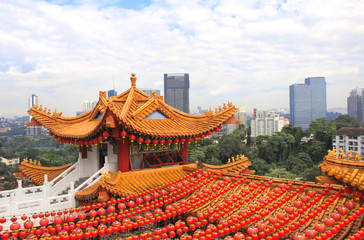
(11, 161)
(33, 100)
(176, 91)
(266, 123)
(87, 106)
(241, 115)
(34, 131)
(307, 101)
(356, 104)
(349, 139)
(150, 90)
(111, 93)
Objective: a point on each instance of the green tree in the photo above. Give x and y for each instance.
(229, 146)
(296, 132)
(310, 174)
(260, 166)
(210, 151)
(322, 131)
(344, 121)
(196, 156)
(277, 172)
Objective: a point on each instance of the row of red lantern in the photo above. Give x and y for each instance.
(293, 215)
(100, 205)
(337, 227)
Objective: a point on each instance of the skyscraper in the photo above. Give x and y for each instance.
(176, 91)
(356, 104)
(307, 101)
(111, 93)
(33, 100)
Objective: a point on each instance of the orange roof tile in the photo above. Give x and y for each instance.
(348, 170)
(35, 172)
(132, 108)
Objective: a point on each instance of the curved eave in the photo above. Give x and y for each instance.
(36, 173)
(78, 127)
(182, 125)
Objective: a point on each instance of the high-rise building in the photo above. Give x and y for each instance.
(111, 93)
(241, 115)
(33, 100)
(150, 90)
(356, 104)
(266, 123)
(176, 91)
(307, 101)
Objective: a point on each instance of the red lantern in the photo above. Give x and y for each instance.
(28, 224)
(299, 236)
(183, 140)
(81, 216)
(58, 220)
(147, 141)
(123, 134)
(310, 233)
(195, 139)
(131, 138)
(176, 140)
(329, 221)
(169, 141)
(105, 134)
(155, 141)
(350, 204)
(140, 140)
(320, 227)
(189, 140)
(343, 210)
(44, 222)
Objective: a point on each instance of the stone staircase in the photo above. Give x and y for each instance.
(77, 183)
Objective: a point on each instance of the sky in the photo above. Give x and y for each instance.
(245, 52)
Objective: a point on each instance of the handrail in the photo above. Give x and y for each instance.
(91, 179)
(63, 174)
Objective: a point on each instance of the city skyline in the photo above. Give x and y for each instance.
(246, 53)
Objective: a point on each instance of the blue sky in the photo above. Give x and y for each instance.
(246, 52)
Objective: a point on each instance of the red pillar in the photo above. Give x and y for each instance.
(184, 153)
(83, 151)
(123, 155)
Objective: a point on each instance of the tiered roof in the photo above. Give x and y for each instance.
(346, 169)
(35, 172)
(132, 109)
(125, 184)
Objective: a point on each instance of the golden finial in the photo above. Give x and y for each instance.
(39, 164)
(224, 106)
(216, 110)
(220, 109)
(30, 161)
(49, 111)
(133, 79)
(45, 109)
(25, 160)
(232, 159)
(229, 160)
(356, 157)
(350, 155)
(41, 108)
(230, 104)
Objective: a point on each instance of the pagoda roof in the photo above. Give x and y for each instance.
(35, 172)
(130, 183)
(347, 169)
(134, 109)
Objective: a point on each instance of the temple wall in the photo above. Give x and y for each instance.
(90, 165)
(113, 158)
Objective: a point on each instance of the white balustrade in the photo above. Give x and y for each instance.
(44, 198)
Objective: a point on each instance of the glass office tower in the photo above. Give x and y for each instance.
(307, 101)
(176, 91)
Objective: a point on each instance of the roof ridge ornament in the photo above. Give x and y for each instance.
(133, 79)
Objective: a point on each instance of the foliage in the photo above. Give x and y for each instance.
(229, 145)
(310, 174)
(277, 172)
(322, 131)
(344, 121)
(259, 165)
(196, 156)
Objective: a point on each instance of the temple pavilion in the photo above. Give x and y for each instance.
(140, 197)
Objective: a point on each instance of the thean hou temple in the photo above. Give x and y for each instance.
(128, 191)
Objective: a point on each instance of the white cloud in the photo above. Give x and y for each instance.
(240, 51)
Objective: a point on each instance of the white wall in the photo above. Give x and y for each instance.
(113, 158)
(90, 165)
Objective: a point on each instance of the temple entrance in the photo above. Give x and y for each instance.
(102, 154)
